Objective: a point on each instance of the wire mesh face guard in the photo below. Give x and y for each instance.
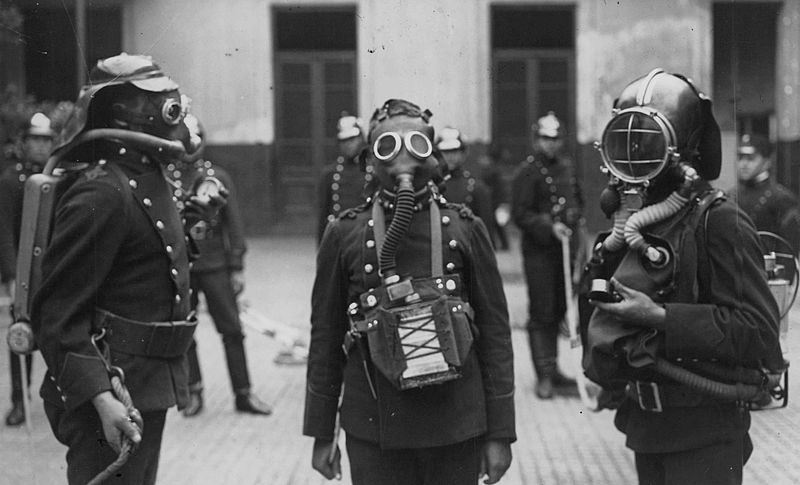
(388, 145)
(637, 144)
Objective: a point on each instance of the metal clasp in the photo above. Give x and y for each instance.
(651, 390)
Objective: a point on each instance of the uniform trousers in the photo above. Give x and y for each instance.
(546, 305)
(16, 375)
(221, 301)
(89, 454)
(456, 464)
(719, 464)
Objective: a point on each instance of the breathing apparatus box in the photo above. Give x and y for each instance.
(419, 331)
(41, 194)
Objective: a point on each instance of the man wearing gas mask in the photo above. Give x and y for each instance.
(460, 185)
(37, 142)
(408, 285)
(346, 183)
(112, 315)
(685, 329)
(547, 205)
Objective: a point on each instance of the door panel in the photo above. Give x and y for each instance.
(312, 89)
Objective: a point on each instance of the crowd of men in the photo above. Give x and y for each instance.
(410, 344)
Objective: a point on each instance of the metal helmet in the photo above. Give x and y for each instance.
(658, 121)
(197, 134)
(450, 139)
(137, 70)
(348, 127)
(549, 126)
(39, 125)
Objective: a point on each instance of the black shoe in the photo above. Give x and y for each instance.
(250, 403)
(195, 405)
(560, 380)
(16, 416)
(544, 388)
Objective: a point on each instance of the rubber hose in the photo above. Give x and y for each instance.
(704, 385)
(616, 240)
(401, 220)
(650, 215)
(137, 139)
(741, 374)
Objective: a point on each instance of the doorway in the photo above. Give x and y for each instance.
(315, 82)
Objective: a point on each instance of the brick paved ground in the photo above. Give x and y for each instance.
(560, 441)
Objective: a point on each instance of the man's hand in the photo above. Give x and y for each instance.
(320, 459)
(237, 282)
(204, 208)
(117, 423)
(635, 307)
(560, 230)
(495, 460)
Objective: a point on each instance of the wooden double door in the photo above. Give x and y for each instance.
(313, 89)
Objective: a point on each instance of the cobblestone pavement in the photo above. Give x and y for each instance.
(560, 441)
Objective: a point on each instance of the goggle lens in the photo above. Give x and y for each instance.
(172, 112)
(388, 145)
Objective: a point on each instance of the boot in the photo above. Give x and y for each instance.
(16, 416)
(543, 350)
(247, 402)
(544, 387)
(195, 401)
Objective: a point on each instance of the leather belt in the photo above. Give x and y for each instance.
(654, 397)
(149, 339)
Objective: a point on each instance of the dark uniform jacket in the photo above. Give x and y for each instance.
(463, 188)
(12, 190)
(342, 186)
(734, 321)
(772, 207)
(544, 191)
(220, 241)
(481, 402)
(120, 246)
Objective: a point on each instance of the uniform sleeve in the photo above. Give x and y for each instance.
(789, 221)
(736, 320)
(525, 211)
(494, 340)
(234, 226)
(323, 197)
(326, 359)
(8, 255)
(90, 227)
(482, 204)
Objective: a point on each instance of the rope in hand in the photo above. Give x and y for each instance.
(117, 378)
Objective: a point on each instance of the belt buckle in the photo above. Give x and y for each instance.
(650, 388)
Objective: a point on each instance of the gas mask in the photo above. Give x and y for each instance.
(661, 140)
(401, 152)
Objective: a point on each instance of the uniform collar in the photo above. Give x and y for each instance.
(422, 197)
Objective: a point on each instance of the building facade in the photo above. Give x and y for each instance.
(269, 78)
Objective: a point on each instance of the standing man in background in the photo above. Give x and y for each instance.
(218, 273)
(346, 183)
(37, 142)
(460, 185)
(770, 205)
(547, 205)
